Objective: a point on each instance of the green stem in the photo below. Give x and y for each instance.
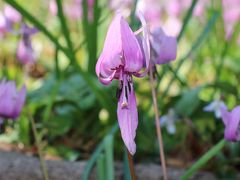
(204, 159)
(39, 148)
(101, 169)
(65, 31)
(187, 19)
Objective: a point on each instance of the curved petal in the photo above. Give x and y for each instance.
(111, 56)
(133, 57)
(164, 46)
(145, 39)
(8, 95)
(107, 80)
(226, 116)
(233, 125)
(128, 120)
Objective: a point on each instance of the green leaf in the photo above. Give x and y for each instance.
(189, 102)
(58, 125)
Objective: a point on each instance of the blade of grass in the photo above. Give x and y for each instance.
(65, 31)
(187, 19)
(109, 157)
(204, 159)
(101, 170)
(96, 153)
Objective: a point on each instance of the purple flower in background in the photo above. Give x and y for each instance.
(215, 106)
(90, 9)
(168, 14)
(156, 45)
(123, 6)
(25, 52)
(164, 48)
(72, 8)
(169, 120)
(120, 59)
(12, 14)
(231, 15)
(8, 17)
(12, 100)
(3, 24)
(231, 121)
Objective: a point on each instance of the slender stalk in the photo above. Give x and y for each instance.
(131, 165)
(42, 161)
(158, 129)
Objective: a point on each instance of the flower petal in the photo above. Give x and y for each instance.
(231, 129)
(111, 56)
(133, 57)
(7, 96)
(226, 116)
(164, 46)
(128, 120)
(145, 39)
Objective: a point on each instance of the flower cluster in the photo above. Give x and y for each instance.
(124, 55)
(9, 17)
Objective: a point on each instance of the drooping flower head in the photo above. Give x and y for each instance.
(120, 59)
(25, 52)
(231, 121)
(121, 52)
(12, 100)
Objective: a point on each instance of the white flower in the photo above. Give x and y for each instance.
(168, 121)
(215, 106)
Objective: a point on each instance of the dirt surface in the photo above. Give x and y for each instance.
(16, 166)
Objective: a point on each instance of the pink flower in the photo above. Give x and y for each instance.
(12, 100)
(12, 14)
(123, 6)
(73, 9)
(231, 121)
(164, 47)
(157, 46)
(25, 52)
(120, 59)
(90, 10)
(3, 24)
(231, 15)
